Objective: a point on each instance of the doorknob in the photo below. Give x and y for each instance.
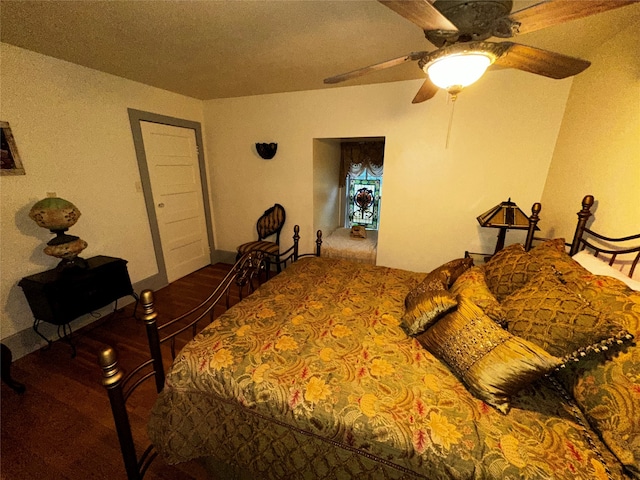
(161, 205)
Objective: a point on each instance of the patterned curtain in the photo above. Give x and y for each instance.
(360, 156)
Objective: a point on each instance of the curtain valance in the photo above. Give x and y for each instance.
(356, 157)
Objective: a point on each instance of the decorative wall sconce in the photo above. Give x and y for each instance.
(267, 150)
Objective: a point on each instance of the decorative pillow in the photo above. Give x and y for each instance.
(472, 284)
(453, 269)
(611, 297)
(492, 363)
(554, 244)
(430, 299)
(607, 386)
(550, 315)
(508, 270)
(608, 392)
(552, 253)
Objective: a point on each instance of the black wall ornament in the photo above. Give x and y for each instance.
(267, 150)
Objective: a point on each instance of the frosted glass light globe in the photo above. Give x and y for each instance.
(458, 71)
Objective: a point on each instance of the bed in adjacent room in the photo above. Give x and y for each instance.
(341, 243)
(521, 368)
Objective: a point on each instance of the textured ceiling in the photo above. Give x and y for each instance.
(219, 49)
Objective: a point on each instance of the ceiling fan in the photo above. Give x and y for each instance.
(460, 29)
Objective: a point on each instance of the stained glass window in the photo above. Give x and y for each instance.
(363, 201)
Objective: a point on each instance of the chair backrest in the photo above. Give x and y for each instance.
(271, 223)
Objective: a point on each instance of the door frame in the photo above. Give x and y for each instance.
(135, 117)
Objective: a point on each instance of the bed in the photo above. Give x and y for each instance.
(337, 369)
(341, 244)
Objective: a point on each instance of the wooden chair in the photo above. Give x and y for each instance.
(268, 225)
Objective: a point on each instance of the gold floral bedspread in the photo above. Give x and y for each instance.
(311, 376)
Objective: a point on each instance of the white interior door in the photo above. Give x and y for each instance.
(172, 160)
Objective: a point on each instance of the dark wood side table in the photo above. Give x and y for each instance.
(59, 296)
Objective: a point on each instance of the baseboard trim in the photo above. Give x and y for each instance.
(222, 256)
(27, 341)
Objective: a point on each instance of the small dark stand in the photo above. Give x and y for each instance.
(61, 295)
(7, 358)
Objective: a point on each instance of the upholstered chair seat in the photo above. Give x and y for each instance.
(268, 225)
(272, 248)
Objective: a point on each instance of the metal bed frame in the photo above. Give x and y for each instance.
(583, 238)
(120, 386)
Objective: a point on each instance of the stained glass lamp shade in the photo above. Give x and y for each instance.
(504, 216)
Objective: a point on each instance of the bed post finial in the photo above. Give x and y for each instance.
(147, 301)
(587, 202)
(112, 381)
(108, 361)
(583, 216)
(149, 317)
(533, 222)
(318, 242)
(296, 239)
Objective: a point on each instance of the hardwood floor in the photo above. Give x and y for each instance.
(61, 427)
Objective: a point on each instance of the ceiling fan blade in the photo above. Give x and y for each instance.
(540, 62)
(421, 13)
(378, 66)
(427, 91)
(554, 12)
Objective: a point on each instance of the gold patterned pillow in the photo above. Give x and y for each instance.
(611, 296)
(554, 244)
(552, 253)
(425, 303)
(606, 386)
(472, 284)
(550, 315)
(608, 392)
(453, 269)
(508, 270)
(492, 363)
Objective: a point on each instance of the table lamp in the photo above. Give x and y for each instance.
(57, 215)
(504, 216)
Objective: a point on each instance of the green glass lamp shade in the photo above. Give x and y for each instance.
(54, 214)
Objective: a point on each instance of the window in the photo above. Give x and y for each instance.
(361, 169)
(363, 201)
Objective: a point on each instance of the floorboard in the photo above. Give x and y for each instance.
(61, 427)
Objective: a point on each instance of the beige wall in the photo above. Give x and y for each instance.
(326, 193)
(502, 138)
(73, 135)
(598, 149)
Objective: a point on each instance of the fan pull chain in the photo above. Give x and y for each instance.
(453, 106)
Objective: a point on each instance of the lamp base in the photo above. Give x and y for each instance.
(72, 263)
(501, 237)
(68, 253)
(61, 237)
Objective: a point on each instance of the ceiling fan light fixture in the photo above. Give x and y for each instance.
(456, 71)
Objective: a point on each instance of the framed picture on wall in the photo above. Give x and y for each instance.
(10, 159)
